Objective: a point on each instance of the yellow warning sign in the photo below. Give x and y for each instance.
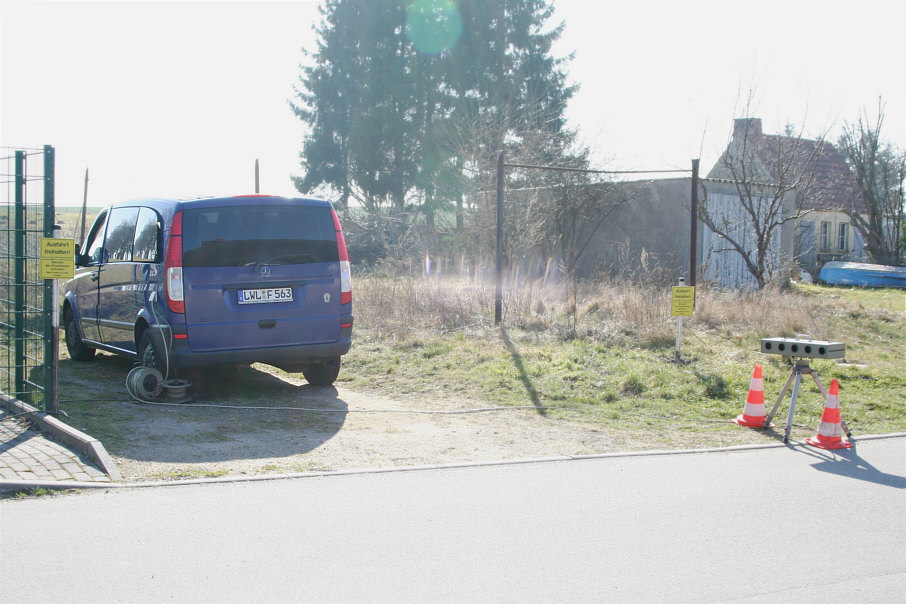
(683, 302)
(57, 258)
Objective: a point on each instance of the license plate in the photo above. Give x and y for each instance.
(261, 296)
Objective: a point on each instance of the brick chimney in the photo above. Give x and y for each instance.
(747, 127)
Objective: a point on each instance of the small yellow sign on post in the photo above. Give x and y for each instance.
(683, 302)
(57, 258)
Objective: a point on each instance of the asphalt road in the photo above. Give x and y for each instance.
(756, 525)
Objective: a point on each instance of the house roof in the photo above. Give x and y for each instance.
(822, 178)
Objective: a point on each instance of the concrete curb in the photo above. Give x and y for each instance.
(86, 445)
(62, 484)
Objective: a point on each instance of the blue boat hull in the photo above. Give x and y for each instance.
(863, 275)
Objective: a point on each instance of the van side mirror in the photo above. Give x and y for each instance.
(80, 258)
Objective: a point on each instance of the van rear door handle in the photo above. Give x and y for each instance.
(95, 275)
(267, 323)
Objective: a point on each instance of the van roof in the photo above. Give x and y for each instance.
(251, 199)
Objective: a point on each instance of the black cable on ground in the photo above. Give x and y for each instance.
(461, 411)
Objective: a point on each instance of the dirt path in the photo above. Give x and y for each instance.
(179, 441)
(254, 420)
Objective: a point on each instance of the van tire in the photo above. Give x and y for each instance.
(78, 350)
(323, 374)
(149, 353)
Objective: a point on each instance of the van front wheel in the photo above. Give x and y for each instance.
(78, 350)
(323, 374)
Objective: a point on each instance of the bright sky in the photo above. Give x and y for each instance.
(180, 98)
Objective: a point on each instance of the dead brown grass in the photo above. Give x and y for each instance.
(605, 310)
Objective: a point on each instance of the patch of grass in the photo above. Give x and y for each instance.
(35, 492)
(185, 474)
(874, 298)
(309, 467)
(618, 369)
(716, 386)
(633, 385)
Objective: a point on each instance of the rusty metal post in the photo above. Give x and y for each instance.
(693, 235)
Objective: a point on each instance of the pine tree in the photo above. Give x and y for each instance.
(407, 101)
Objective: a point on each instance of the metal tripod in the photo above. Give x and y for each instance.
(800, 368)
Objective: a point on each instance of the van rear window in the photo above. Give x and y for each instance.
(247, 235)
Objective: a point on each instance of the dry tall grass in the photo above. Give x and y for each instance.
(399, 305)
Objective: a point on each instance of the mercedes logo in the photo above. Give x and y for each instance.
(265, 271)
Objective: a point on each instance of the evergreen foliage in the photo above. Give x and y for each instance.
(408, 102)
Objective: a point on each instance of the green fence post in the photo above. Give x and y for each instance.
(19, 313)
(51, 312)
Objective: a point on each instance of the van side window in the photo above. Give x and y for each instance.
(146, 247)
(94, 243)
(120, 234)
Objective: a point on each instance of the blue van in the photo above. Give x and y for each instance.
(179, 284)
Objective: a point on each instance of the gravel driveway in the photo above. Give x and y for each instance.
(254, 420)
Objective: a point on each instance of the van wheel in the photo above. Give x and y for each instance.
(149, 353)
(323, 374)
(78, 350)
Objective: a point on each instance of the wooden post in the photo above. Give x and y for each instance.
(498, 293)
(84, 208)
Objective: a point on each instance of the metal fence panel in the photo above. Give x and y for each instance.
(28, 343)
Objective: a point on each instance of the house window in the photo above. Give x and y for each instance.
(825, 241)
(843, 236)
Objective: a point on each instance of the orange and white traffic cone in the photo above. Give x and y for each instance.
(753, 415)
(830, 430)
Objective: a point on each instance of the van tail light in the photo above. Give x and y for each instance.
(345, 271)
(173, 267)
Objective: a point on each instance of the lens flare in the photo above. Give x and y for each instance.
(433, 26)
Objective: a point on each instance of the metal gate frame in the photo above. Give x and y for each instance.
(28, 315)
